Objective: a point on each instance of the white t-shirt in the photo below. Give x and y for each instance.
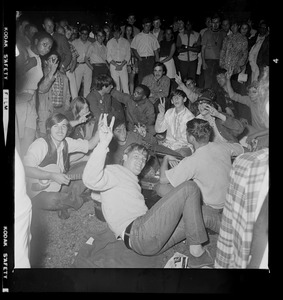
(209, 166)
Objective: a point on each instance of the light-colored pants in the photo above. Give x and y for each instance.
(120, 76)
(83, 72)
(72, 84)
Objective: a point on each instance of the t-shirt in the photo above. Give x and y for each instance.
(209, 166)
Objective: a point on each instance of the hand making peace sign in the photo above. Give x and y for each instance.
(161, 106)
(105, 132)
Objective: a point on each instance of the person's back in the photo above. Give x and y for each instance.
(208, 163)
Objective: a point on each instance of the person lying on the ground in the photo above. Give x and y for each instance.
(174, 121)
(47, 168)
(145, 231)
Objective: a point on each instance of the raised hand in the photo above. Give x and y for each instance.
(105, 132)
(178, 79)
(161, 106)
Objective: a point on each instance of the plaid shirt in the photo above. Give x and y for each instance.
(57, 90)
(236, 231)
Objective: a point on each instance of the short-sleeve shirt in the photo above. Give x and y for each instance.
(82, 49)
(145, 44)
(209, 166)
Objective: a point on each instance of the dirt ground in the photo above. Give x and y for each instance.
(56, 242)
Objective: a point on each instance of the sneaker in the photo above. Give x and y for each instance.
(204, 260)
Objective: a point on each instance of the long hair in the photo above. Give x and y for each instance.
(51, 121)
(77, 105)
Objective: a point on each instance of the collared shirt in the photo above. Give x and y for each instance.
(136, 112)
(158, 88)
(234, 52)
(97, 53)
(118, 50)
(145, 44)
(39, 148)
(238, 218)
(188, 39)
(82, 49)
(175, 125)
(104, 105)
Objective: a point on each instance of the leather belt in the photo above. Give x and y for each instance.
(81, 63)
(127, 235)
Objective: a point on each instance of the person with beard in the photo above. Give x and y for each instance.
(212, 41)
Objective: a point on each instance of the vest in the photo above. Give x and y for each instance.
(51, 156)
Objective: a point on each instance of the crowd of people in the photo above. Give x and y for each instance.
(93, 103)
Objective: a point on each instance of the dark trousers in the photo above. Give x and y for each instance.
(210, 73)
(187, 69)
(145, 67)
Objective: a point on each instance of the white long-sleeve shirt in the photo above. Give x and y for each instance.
(121, 197)
(175, 125)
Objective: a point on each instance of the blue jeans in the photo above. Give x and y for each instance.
(175, 217)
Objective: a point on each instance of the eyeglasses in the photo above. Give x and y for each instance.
(84, 33)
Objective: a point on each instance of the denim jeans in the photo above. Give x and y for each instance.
(175, 217)
(211, 217)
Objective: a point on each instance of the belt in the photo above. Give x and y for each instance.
(127, 235)
(99, 64)
(32, 92)
(146, 57)
(81, 63)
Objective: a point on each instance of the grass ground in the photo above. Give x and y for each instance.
(56, 242)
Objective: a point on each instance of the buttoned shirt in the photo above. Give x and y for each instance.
(158, 88)
(136, 111)
(234, 52)
(145, 44)
(82, 49)
(238, 218)
(175, 125)
(97, 53)
(118, 50)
